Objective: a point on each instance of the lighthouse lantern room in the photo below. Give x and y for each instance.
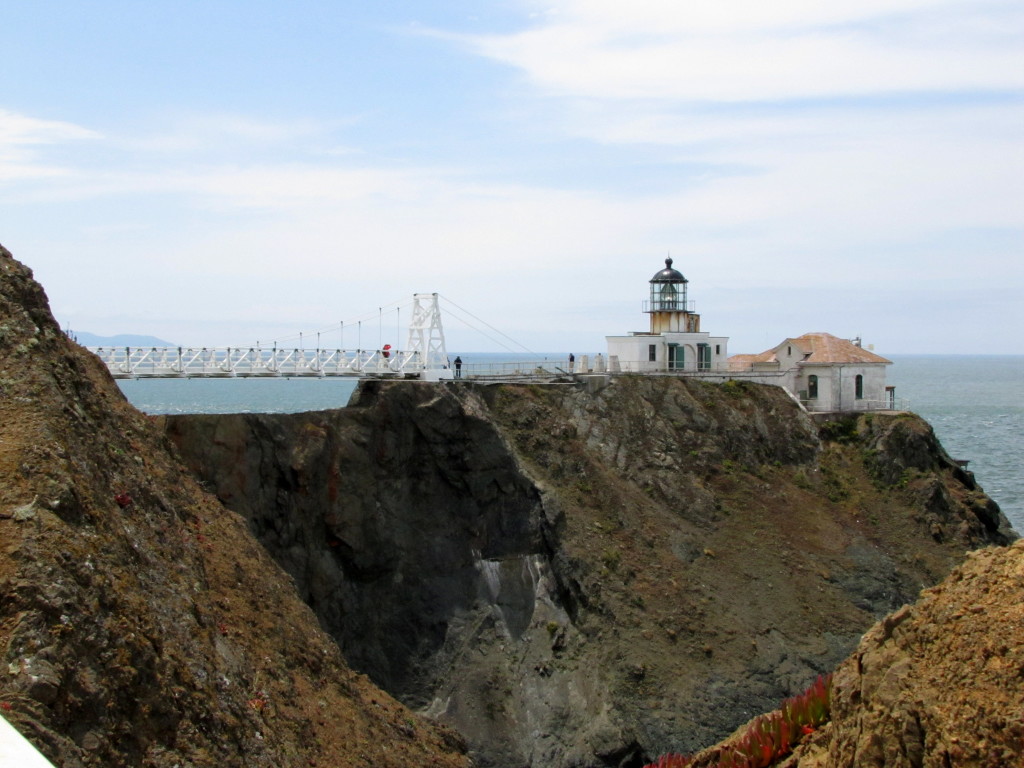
(669, 308)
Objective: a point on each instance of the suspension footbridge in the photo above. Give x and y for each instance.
(425, 356)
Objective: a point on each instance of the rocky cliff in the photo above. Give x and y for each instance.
(140, 622)
(593, 573)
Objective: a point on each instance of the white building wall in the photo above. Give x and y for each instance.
(873, 389)
(837, 387)
(827, 387)
(633, 351)
(789, 355)
(719, 352)
(874, 383)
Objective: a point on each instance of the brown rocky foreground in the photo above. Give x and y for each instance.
(140, 622)
(938, 683)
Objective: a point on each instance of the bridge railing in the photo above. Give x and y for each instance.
(207, 362)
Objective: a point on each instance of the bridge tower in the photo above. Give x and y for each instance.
(426, 336)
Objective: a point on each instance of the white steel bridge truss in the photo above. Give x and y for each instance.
(209, 362)
(426, 356)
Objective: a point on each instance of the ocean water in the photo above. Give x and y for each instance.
(975, 403)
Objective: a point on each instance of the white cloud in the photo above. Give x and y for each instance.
(225, 160)
(18, 130)
(802, 130)
(230, 133)
(704, 16)
(728, 51)
(22, 136)
(11, 171)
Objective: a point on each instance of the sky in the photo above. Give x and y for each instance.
(225, 172)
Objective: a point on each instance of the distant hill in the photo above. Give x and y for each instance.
(120, 340)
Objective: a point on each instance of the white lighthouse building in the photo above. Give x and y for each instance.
(675, 341)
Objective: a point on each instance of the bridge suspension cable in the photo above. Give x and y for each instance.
(358, 320)
(497, 341)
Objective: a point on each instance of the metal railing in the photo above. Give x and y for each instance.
(513, 370)
(885, 404)
(669, 305)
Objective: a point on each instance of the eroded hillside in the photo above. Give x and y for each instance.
(938, 683)
(140, 622)
(577, 575)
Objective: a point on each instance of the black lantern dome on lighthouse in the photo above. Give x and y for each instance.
(668, 290)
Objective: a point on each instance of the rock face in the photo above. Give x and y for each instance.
(140, 622)
(593, 574)
(938, 683)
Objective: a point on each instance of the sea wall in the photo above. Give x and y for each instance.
(592, 573)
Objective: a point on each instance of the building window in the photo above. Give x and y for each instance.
(859, 387)
(789, 351)
(718, 349)
(676, 357)
(812, 387)
(703, 357)
(652, 352)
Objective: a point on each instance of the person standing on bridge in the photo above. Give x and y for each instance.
(572, 361)
(458, 367)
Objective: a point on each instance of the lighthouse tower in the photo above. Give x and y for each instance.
(675, 341)
(669, 308)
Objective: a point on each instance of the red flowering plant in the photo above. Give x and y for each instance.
(767, 738)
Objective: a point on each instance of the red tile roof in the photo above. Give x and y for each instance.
(747, 360)
(817, 348)
(826, 348)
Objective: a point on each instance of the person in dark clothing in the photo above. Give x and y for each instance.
(572, 362)
(458, 367)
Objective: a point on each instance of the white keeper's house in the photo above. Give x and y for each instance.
(824, 372)
(675, 341)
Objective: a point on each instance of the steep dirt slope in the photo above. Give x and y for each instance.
(938, 683)
(140, 622)
(586, 575)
